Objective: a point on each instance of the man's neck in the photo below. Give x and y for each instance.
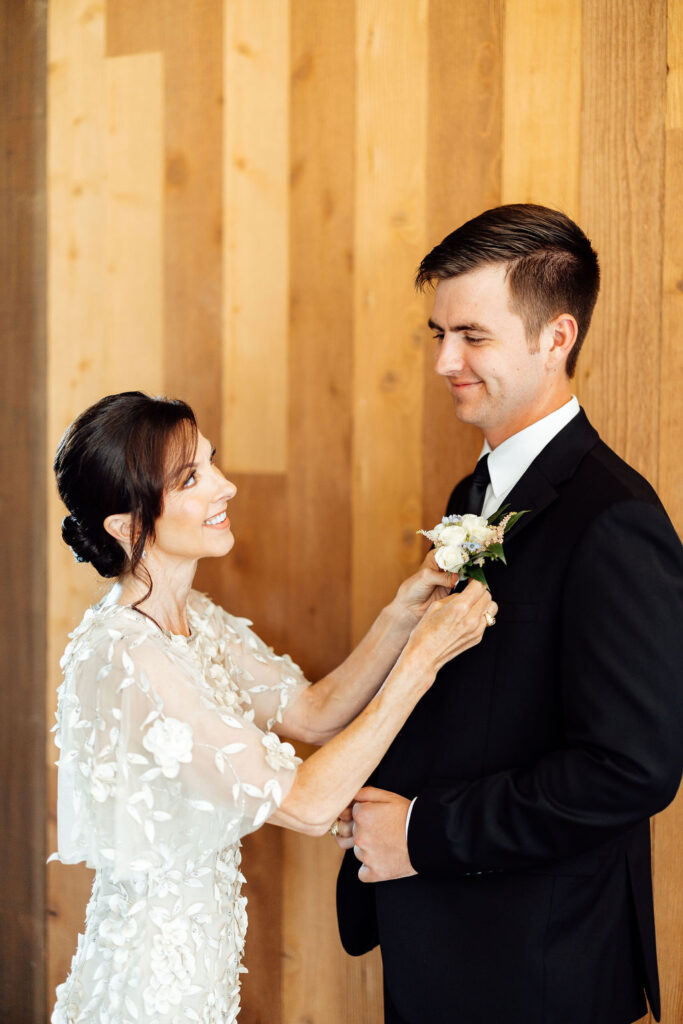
(496, 435)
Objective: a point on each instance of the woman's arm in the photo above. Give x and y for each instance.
(325, 708)
(327, 781)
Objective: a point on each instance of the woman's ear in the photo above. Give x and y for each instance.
(118, 526)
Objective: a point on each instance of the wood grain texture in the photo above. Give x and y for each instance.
(192, 142)
(668, 827)
(318, 980)
(256, 257)
(95, 345)
(23, 610)
(133, 296)
(622, 179)
(671, 374)
(391, 48)
(193, 210)
(463, 154)
(542, 103)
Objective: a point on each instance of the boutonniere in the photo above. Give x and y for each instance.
(463, 543)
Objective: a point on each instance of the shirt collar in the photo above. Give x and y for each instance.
(510, 460)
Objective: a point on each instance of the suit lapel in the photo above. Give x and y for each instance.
(557, 462)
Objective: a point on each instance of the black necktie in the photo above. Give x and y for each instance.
(480, 481)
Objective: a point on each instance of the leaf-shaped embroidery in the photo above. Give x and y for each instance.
(234, 748)
(261, 814)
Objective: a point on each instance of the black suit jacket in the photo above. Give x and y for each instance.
(537, 758)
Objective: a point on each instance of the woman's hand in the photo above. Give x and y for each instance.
(452, 625)
(419, 591)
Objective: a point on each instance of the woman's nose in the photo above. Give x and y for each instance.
(227, 488)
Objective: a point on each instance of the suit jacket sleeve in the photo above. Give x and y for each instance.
(621, 658)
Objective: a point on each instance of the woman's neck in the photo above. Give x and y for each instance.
(167, 603)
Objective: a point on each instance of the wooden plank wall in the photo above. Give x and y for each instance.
(239, 194)
(22, 510)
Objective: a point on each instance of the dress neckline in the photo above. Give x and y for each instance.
(110, 603)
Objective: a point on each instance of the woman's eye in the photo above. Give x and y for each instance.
(190, 481)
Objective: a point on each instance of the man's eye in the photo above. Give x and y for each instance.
(472, 341)
(438, 338)
(190, 481)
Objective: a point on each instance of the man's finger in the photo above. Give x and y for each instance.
(345, 842)
(370, 793)
(365, 874)
(358, 853)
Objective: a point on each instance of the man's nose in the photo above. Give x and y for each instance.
(450, 356)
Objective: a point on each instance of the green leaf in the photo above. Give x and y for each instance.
(496, 551)
(475, 572)
(514, 517)
(497, 516)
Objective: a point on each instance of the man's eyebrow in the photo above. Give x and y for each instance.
(472, 326)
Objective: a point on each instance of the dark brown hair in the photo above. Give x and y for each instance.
(121, 455)
(551, 265)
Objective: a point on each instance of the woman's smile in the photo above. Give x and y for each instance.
(219, 521)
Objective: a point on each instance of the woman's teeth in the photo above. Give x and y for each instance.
(215, 520)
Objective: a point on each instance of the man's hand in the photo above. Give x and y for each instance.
(379, 835)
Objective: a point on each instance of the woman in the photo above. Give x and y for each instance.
(171, 711)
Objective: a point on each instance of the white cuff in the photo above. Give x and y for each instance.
(410, 811)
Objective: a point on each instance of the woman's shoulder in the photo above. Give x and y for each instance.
(106, 633)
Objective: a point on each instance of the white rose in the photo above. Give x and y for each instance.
(452, 536)
(450, 559)
(477, 528)
(171, 743)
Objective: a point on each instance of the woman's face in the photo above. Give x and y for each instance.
(194, 522)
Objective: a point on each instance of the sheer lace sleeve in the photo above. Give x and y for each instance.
(150, 760)
(270, 682)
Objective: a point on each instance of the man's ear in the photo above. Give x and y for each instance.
(118, 526)
(561, 334)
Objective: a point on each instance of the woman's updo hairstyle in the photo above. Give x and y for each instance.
(120, 455)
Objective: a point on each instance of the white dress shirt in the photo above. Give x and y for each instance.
(509, 462)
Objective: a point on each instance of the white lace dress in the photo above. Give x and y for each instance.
(167, 758)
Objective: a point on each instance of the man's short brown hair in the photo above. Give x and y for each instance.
(551, 265)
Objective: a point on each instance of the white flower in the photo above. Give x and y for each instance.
(451, 536)
(278, 754)
(102, 780)
(477, 528)
(117, 931)
(171, 743)
(450, 559)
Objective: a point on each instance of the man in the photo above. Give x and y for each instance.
(504, 839)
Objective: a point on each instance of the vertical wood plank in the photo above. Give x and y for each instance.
(542, 109)
(622, 177)
(255, 276)
(671, 376)
(76, 217)
(132, 310)
(464, 148)
(388, 317)
(319, 981)
(668, 827)
(193, 217)
(22, 510)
